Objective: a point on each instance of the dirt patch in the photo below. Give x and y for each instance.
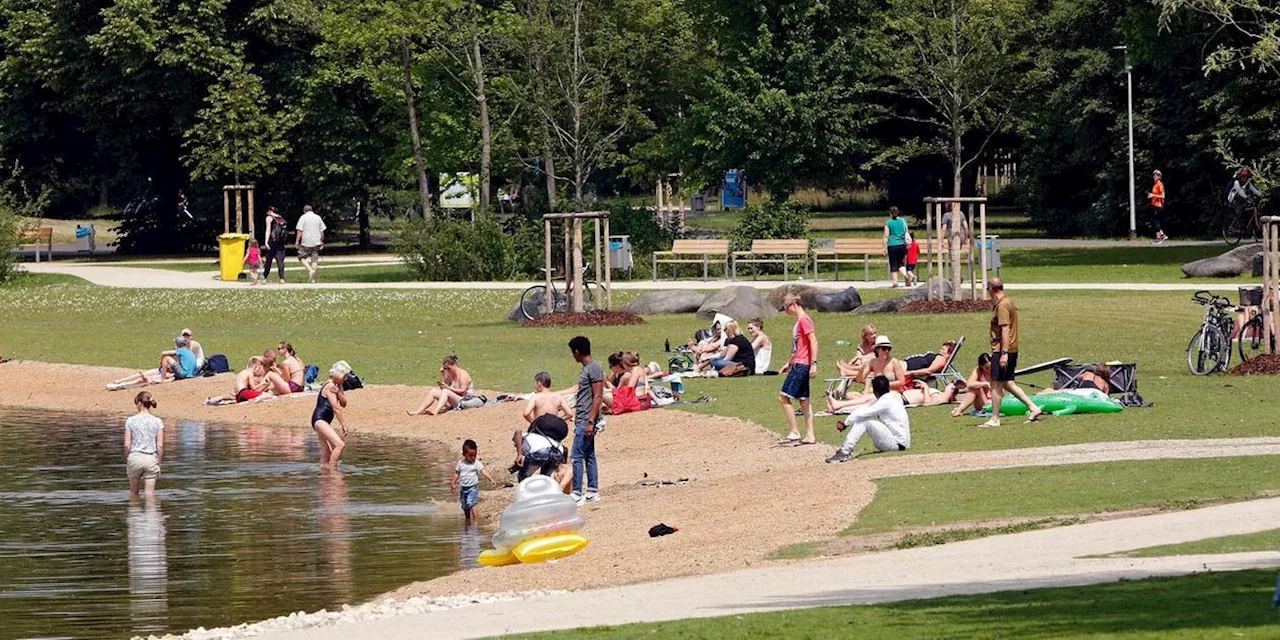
(1261, 365)
(598, 318)
(947, 306)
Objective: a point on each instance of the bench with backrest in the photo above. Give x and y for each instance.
(772, 252)
(37, 237)
(693, 252)
(851, 251)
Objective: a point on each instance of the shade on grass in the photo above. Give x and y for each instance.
(1203, 606)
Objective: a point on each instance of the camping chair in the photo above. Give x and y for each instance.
(1124, 380)
(949, 373)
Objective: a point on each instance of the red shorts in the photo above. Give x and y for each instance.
(246, 395)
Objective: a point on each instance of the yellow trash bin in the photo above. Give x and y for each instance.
(231, 254)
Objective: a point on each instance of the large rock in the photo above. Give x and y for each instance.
(839, 302)
(888, 305)
(941, 289)
(738, 302)
(662, 302)
(1227, 265)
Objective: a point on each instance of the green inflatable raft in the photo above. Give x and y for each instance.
(1060, 404)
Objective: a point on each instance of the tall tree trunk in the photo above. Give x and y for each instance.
(362, 217)
(424, 191)
(486, 141)
(579, 176)
(549, 166)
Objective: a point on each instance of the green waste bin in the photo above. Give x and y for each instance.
(231, 254)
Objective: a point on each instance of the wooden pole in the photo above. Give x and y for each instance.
(577, 264)
(973, 282)
(1271, 285)
(982, 220)
(599, 301)
(226, 211)
(608, 269)
(239, 211)
(251, 230)
(547, 296)
(952, 238)
(928, 248)
(568, 255)
(942, 245)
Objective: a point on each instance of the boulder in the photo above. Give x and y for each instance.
(808, 295)
(1227, 265)
(663, 302)
(888, 305)
(839, 302)
(939, 287)
(738, 302)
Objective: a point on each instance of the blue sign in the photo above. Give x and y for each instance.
(733, 193)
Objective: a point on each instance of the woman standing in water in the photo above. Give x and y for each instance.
(143, 445)
(330, 404)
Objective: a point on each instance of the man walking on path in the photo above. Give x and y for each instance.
(1156, 196)
(310, 240)
(802, 366)
(1004, 357)
(273, 241)
(586, 411)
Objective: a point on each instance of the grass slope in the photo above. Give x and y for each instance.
(1259, 541)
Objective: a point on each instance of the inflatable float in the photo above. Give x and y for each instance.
(1062, 403)
(541, 524)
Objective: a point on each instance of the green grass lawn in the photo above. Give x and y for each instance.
(1203, 606)
(1259, 541)
(1137, 263)
(912, 501)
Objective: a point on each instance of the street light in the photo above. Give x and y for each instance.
(1133, 207)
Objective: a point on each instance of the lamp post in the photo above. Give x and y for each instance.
(1133, 207)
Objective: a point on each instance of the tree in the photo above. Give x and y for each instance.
(234, 133)
(963, 62)
(1258, 21)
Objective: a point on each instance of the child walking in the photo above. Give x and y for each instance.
(913, 258)
(253, 258)
(466, 480)
(143, 446)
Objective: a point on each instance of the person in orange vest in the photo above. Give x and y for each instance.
(1156, 195)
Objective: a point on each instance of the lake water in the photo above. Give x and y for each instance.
(245, 526)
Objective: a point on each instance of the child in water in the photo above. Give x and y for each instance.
(253, 258)
(143, 446)
(466, 480)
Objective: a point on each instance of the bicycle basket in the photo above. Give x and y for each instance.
(1250, 296)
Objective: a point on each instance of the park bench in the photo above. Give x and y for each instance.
(851, 251)
(36, 237)
(772, 251)
(682, 252)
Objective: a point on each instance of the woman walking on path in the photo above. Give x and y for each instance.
(331, 404)
(896, 240)
(143, 445)
(274, 240)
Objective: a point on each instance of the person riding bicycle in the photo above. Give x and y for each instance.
(1243, 194)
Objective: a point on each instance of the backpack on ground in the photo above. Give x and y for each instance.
(310, 374)
(680, 363)
(213, 365)
(352, 381)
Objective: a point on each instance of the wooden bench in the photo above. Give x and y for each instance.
(681, 250)
(846, 249)
(772, 251)
(43, 235)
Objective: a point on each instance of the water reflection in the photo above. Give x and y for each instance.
(245, 527)
(148, 566)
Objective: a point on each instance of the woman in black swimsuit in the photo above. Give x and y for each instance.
(330, 404)
(1099, 379)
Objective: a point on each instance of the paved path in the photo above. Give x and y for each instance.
(1045, 558)
(134, 277)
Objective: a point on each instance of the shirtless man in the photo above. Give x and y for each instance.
(291, 368)
(536, 451)
(252, 383)
(279, 385)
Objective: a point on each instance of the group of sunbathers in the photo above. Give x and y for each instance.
(909, 377)
(183, 361)
(277, 372)
(728, 352)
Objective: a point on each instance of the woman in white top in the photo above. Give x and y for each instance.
(195, 348)
(761, 344)
(143, 445)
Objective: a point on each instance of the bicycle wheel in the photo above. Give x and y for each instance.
(1252, 341)
(590, 293)
(1232, 229)
(1204, 352)
(531, 301)
(1227, 327)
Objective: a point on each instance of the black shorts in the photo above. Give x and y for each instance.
(1157, 218)
(1006, 372)
(897, 256)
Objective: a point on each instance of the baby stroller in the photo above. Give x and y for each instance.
(1124, 380)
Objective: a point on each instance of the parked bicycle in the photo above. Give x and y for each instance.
(1252, 338)
(1210, 347)
(531, 299)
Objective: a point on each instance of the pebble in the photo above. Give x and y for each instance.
(348, 614)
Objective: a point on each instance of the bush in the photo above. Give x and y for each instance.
(8, 242)
(770, 221)
(456, 250)
(526, 245)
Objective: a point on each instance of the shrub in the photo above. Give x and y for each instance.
(769, 221)
(8, 242)
(526, 245)
(456, 250)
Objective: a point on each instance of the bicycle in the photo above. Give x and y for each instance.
(1241, 224)
(1210, 346)
(1250, 342)
(531, 299)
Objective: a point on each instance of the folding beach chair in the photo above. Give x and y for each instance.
(949, 373)
(1124, 380)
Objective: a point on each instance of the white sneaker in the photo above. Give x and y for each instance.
(577, 498)
(592, 496)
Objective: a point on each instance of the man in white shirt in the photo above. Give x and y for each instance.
(885, 419)
(310, 240)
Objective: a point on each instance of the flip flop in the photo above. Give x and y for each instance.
(989, 425)
(1035, 419)
(802, 443)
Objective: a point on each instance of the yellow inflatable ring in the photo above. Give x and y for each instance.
(492, 558)
(549, 547)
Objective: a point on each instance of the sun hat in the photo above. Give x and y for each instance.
(883, 341)
(184, 332)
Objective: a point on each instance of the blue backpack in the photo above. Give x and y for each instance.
(310, 374)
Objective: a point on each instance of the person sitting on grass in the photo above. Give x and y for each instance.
(454, 388)
(178, 364)
(1099, 380)
(885, 420)
(977, 388)
(866, 351)
(291, 368)
(252, 384)
(711, 346)
(630, 392)
(195, 347)
(924, 365)
(760, 344)
(738, 354)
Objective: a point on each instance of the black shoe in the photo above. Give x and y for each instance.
(840, 456)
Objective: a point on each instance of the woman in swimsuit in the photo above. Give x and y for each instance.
(866, 351)
(627, 392)
(455, 386)
(1099, 380)
(291, 368)
(331, 404)
(977, 388)
(883, 364)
